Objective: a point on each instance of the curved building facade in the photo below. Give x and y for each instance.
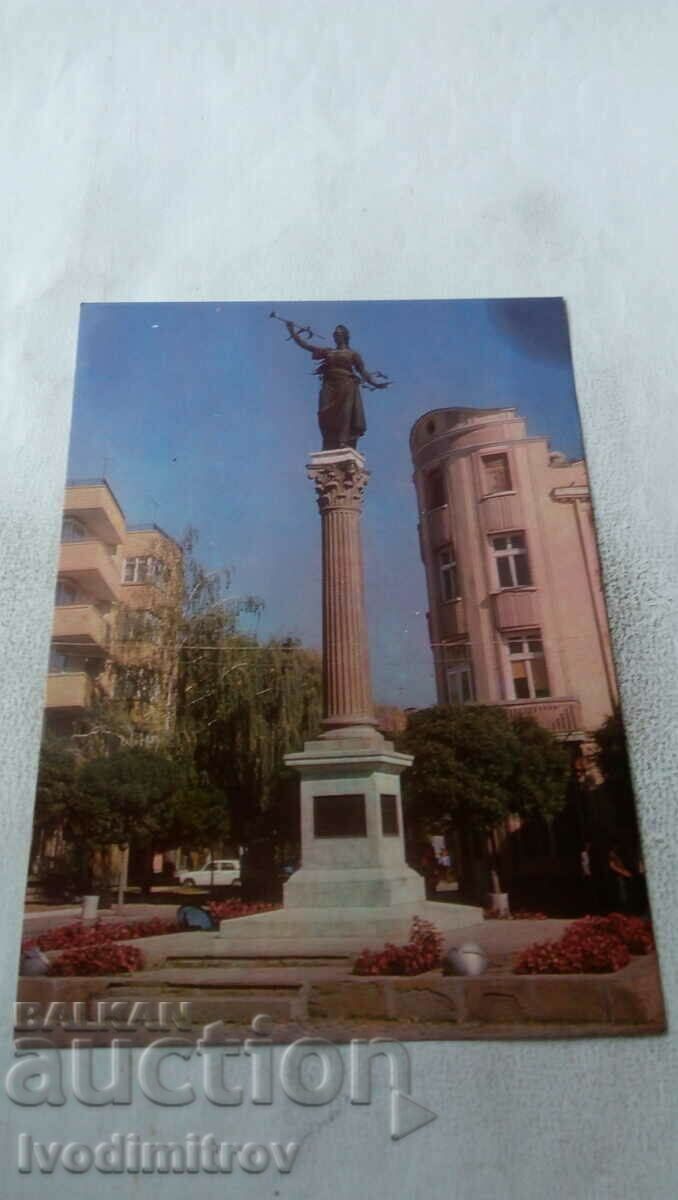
(516, 608)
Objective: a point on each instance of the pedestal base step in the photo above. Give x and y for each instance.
(332, 931)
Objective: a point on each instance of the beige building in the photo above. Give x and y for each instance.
(145, 657)
(118, 597)
(517, 614)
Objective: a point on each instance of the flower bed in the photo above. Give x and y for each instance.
(226, 910)
(108, 958)
(593, 945)
(422, 953)
(78, 935)
(634, 932)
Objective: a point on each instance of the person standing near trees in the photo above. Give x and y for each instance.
(619, 877)
(587, 882)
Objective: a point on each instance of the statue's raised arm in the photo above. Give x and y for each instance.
(295, 333)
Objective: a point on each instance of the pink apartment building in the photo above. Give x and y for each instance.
(517, 613)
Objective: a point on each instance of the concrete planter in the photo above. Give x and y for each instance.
(498, 902)
(90, 907)
(493, 1004)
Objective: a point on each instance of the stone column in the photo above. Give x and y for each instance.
(340, 479)
(354, 887)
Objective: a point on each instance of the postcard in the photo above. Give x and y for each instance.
(332, 738)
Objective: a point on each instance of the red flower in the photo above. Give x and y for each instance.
(594, 945)
(422, 953)
(110, 959)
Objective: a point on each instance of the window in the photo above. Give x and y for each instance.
(72, 530)
(435, 489)
(528, 667)
(65, 664)
(447, 574)
(141, 625)
(513, 568)
(459, 674)
(138, 683)
(144, 569)
(67, 592)
(496, 474)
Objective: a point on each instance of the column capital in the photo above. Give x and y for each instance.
(340, 478)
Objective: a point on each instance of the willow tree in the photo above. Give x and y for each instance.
(241, 704)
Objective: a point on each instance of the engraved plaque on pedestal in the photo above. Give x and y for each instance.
(339, 816)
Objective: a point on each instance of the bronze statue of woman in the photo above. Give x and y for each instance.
(341, 415)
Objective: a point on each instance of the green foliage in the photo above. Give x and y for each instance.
(473, 766)
(242, 706)
(133, 794)
(56, 788)
(613, 799)
(612, 753)
(202, 817)
(543, 771)
(144, 797)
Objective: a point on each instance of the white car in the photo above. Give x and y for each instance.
(220, 872)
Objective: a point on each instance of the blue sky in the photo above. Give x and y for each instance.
(203, 414)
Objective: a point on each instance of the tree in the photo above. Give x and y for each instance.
(78, 822)
(145, 799)
(241, 704)
(473, 767)
(543, 771)
(614, 798)
(56, 787)
(203, 818)
(135, 791)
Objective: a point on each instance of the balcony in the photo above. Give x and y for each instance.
(80, 624)
(516, 608)
(451, 618)
(501, 512)
(438, 526)
(69, 691)
(560, 716)
(89, 564)
(93, 503)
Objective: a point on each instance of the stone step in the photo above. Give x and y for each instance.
(232, 1001)
(630, 998)
(261, 962)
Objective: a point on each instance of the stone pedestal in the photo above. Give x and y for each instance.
(351, 817)
(354, 887)
(351, 828)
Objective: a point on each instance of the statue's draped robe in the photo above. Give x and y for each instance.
(341, 415)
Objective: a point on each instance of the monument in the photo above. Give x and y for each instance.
(354, 887)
